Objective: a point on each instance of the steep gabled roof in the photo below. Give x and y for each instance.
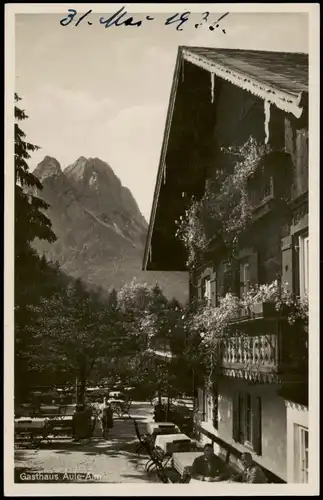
(279, 78)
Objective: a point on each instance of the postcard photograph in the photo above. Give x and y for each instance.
(161, 249)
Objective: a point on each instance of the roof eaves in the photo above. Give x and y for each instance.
(162, 166)
(283, 100)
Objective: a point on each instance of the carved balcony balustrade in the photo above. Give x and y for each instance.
(263, 347)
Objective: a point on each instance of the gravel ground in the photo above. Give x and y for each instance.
(108, 461)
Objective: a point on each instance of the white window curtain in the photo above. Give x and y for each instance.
(303, 264)
(301, 454)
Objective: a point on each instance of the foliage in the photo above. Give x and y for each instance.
(295, 307)
(224, 206)
(73, 330)
(30, 221)
(75, 333)
(33, 276)
(212, 322)
(191, 231)
(64, 329)
(36, 280)
(134, 296)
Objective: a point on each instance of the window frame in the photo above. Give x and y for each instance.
(303, 262)
(207, 286)
(208, 406)
(246, 414)
(207, 290)
(301, 455)
(244, 283)
(246, 419)
(260, 179)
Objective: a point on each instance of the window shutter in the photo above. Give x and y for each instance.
(220, 280)
(215, 405)
(290, 144)
(236, 278)
(253, 268)
(236, 417)
(256, 425)
(227, 278)
(213, 289)
(199, 289)
(287, 262)
(207, 405)
(302, 160)
(200, 401)
(203, 405)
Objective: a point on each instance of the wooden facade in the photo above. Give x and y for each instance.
(213, 106)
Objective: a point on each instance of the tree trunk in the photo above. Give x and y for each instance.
(81, 394)
(193, 384)
(77, 391)
(168, 405)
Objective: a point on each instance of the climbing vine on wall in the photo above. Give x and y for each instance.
(212, 322)
(225, 209)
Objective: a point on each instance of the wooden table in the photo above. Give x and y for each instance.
(60, 423)
(154, 428)
(35, 429)
(25, 423)
(169, 443)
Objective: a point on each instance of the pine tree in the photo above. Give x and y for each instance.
(30, 221)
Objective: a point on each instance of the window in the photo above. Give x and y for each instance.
(261, 188)
(247, 421)
(206, 286)
(201, 402)
(207, 293)
(208, 406)
(244, 278)
(301, 454)
(303, 264)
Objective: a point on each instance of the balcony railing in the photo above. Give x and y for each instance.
(250, 357)
(261, 190)
(263, 347)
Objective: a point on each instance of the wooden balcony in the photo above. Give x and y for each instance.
(263, 347)
(161, 349)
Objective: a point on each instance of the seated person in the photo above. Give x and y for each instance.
(252, 473)
(209, 467)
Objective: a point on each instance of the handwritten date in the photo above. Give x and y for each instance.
(122, 18)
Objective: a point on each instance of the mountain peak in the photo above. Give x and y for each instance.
(100, 229)
(81, 159)
(49, 167)
(83, 169)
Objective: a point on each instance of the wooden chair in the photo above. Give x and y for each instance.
(144, 444)
(162, 475)
(155, 461)
(186, 477)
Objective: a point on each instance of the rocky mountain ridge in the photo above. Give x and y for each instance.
(100, 230)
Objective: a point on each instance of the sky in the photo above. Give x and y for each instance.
(96, 92)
